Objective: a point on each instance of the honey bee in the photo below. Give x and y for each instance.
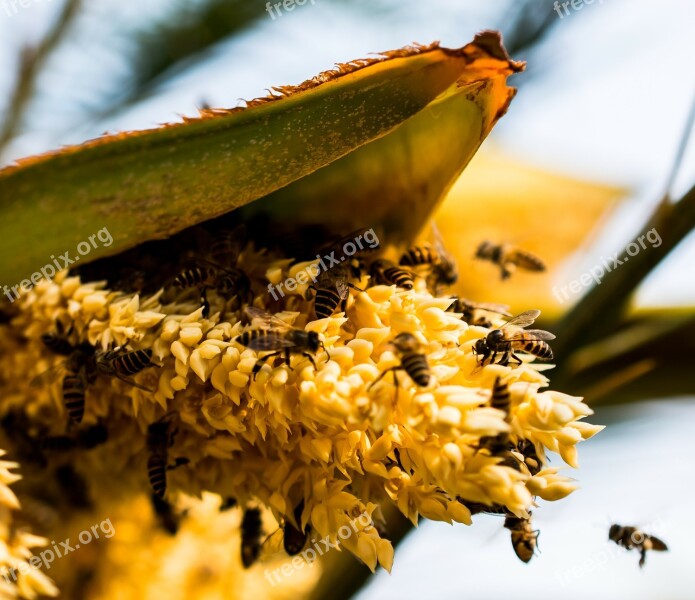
(159, 439)
(84, 363)
(58, 341)
(442, 267)
(294, 539)
(227, 246)
(251, 534)
(511, 337)
(227, 281)
(501, 400)
(274, 334)
(509, 258)
(413, 361)
(524, 539)
(531, 459)
(473, 313)
(384, 272)
(631, 537)
(331, 289)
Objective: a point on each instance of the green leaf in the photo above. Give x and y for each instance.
(149, 185)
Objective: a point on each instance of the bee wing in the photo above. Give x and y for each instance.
(657, 544)
(532, 334)
(264, 320)
(217, 267)
(439, 243)
(272, 545)
(500, 309)
(273, 341)
(524, 319)
(49, 375)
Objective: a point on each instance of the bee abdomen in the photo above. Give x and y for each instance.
(133, 362)
(325, 302)
(156, 472)
(541, 350)
(73, 397)
(501, 398)
(418, 255)
(399, 277)
(528, 261)
(191, 277)
(417, 368)
(247, 337)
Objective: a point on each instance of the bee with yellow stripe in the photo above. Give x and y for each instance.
(413, 361)
(509, 258)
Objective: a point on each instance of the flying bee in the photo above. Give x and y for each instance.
(631, 537)
(294, 539)
(511, 337)
(498, 445)
(509, 258)
(275, 334)
(227, 281)
(524, 539)
(384, 272)
(473, 313)
(331, 289)
(227, 246)
(251, 534)
(442, 267)
(159, 439)
(413, 361)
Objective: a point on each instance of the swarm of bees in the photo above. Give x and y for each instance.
(216, 275)
(631, 537)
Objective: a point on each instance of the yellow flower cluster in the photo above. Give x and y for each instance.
(297, 434)
(20, 577)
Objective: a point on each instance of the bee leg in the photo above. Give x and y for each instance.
(643, 556)
(311, 358)
(261, 361)
(204, 302)
(516, 358)
(373, 383)
(354, 287)
(178, 462)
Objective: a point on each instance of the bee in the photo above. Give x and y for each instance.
(159, 439)
(228, 281)
(508, 258)
(631, 537)
(501, 400)
(227, 246)
(473, 313)
(58, 341)
(531, 459)
(275, 334)
(442, 267)
(251, 534)
(294, 539)
(84, 363)
(384, 272)
(86, 439)
(510, 337)
(524, 539)
(331, 290)
(413, 361)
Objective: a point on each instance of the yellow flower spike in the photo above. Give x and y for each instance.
(550, 486)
